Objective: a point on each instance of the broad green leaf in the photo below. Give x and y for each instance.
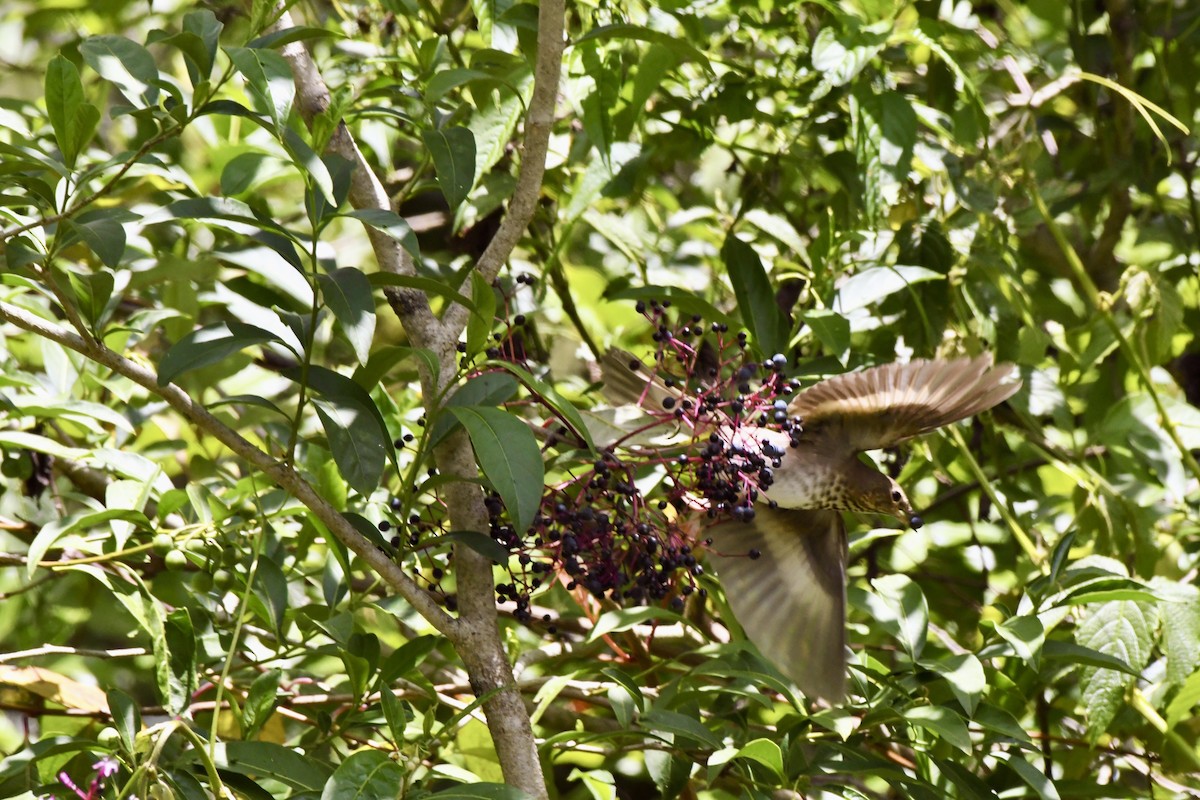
(260, 702)
(481, 791)
(1179, 610)
(904, 611)
(356, 431)
(565, 410)
(125, 64)
(180, 638)
(73, 119)
(480, 543)
(485, 389)
(405, 660)
(1121, 629)
(393, 225)
(453, 151)
(755, 296)
(623, 619)
(873, 284)
(207, 346)
(964, 675)
(832, 331)
(676, 45)
(660, 721)
(126, 717)
(942, 722)
(54, 530)
(105, 237)
(347, 293)
(509, 457)
(765, 752)
(268, 82)
(1026, 635)
(305, 772)
(479, 324)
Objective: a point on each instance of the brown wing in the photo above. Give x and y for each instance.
(628, 381)
(881, 406)
(791, 601)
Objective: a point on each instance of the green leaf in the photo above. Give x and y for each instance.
(261, 700)
(755, 296)
(903, 611)
(964, 675)
(765, 752)
(623, 619)
(358, 436)
(685, 301)
(405, 660)
(202, 24)
(565, 410)
(660, 722)
(876, 283)
(481, 791)
(509, 457)
(484, 545)
(105, 237)
(429, 286)
(676, 45)
(1078, 654)
(73, 120)
(1124, 630)
(394, 226)
(453, 151)
(181, 645)
(942, 722)
(268, 82)
(832, 331)
(207, 346)
(124, 63)
(305, 772)
(126, 717)
(347, 293)
(479, 324)
(1026, 635)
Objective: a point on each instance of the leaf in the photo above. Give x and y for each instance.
(565, 410)
(943, 722)
(104, 237)
(1121, 629)
(685, 301)
(659, 721)
(73, 119)
(453, 151)
(509, 457)
(626, 31)
(876, 283)
(765, 752)
(207, 346)
(904, 611)
(260, 703)
(1026, 635)
(623, 619)
(832, 331)
(126, 717)
(479, 324)
(405, 660)
(180, 638)
(47, 684)
(964, 675)
(268, 82)
(393, 225)
(125, 64)
(429, 286)
(347, 293)
(484, 545)
(755, 296)
(305, 772)
(481, 791)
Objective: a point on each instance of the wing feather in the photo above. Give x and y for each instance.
(791, 601)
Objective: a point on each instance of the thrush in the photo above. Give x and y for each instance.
(784, 570)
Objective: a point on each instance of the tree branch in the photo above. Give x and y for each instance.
(282, 474)
(538, 123)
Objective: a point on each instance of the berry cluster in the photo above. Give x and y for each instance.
(623, 526)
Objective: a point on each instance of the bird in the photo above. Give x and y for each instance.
(783, 570)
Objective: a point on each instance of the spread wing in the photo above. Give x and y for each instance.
(881, 406)
(628, 381)
(791, 601)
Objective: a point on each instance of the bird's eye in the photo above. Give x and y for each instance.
(896, 496)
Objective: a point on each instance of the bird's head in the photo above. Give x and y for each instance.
(886, 497)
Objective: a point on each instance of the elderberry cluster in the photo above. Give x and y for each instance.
(729, 428)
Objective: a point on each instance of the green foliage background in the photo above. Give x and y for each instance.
(914, 178)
